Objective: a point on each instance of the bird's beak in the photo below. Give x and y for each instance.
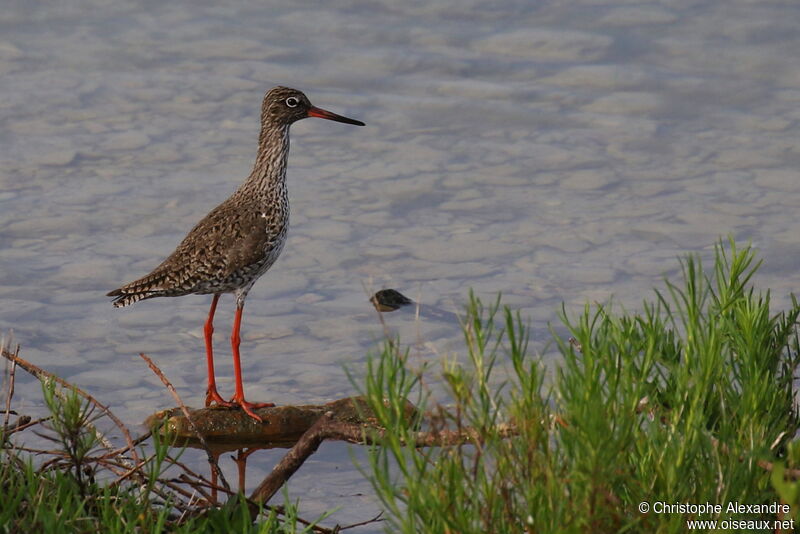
(314, 111)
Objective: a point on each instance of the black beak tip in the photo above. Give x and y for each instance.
(314, 111)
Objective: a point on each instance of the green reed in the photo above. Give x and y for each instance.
(689, 400)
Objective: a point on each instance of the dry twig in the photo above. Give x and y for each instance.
(11, 380)
(211, 459)
(42, 374)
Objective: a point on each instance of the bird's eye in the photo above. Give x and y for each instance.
(292, 102)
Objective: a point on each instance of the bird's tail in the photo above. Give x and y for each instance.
(124, 298)
(145, 288)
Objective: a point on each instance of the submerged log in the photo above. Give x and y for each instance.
(282, 426)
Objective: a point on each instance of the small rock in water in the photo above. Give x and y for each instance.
(388, 300)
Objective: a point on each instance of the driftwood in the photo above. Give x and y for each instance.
(282, 426)
(327, 427)
(303, 428)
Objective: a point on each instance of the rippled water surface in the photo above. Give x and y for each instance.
(557, 151)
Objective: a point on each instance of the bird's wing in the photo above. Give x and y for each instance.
(231, 240)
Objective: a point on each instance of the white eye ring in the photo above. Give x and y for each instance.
(292, 102)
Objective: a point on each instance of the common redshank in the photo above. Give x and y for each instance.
(239, 240)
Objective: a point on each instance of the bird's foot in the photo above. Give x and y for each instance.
(212, 397)
(248, 407)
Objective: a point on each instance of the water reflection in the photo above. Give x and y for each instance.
(559, 152)
(240, 460)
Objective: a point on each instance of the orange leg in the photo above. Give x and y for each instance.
(238, 397)
(208, 330)
(241, 463)
(214, 478)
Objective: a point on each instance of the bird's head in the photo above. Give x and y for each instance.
(284, 106)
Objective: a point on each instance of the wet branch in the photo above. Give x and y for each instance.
(327, 428)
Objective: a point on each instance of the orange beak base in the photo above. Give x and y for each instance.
(314, 111)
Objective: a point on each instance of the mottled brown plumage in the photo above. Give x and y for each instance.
(239, 240)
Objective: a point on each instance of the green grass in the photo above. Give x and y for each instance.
(52, 502)
(77, 486)
(685, 401)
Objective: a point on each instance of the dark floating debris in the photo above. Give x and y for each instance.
(389, 300)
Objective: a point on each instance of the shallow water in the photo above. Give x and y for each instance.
(560, 153)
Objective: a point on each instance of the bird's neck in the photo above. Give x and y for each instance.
(267, 182)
